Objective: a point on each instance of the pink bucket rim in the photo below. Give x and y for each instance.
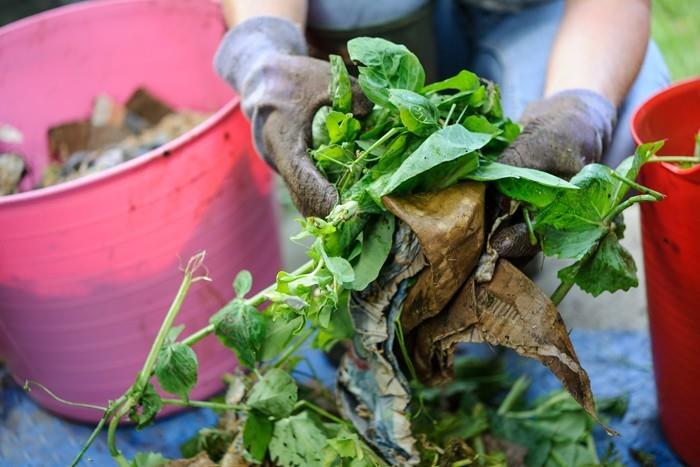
(88, 180)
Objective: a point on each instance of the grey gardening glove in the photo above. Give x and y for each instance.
(561, 134)
(264, 60)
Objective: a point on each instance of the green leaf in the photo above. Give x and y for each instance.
(257, 434)
(610, 268)
(417, 113)
(340, 90)
(342, 127)
(445, 145)
(243, 283)
(148, 459)
(215, 442)
(319, 130)
(297, 441)
(492, 171)
(376, 245)
(275, 394)
(150, 403)
(630, 167)
(462, 81)
(279, 334)
(527, 191)
(242, 328)
(176, 369)
(385, 65)
(480, 124)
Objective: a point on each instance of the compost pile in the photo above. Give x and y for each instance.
(112, 135)
(405, 267)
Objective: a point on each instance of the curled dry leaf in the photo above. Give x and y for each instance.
(489, 258)
(510, 311)
(449, 225)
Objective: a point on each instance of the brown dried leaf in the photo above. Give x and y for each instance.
(200, 460)
(449, 225)
(510, 311)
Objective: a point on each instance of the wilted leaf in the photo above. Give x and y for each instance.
(242, 328)
(150, 403)
(176, 369)
(243, 283)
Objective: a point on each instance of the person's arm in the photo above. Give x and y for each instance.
(600, 46)
(237, 11)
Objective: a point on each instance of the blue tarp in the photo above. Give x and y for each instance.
(617, 362)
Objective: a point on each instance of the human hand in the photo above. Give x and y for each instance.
(281, 89)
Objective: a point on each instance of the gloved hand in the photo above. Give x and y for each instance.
(263, 59)
(563, 132)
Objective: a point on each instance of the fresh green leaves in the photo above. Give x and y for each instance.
(340, 86)
(241, 327)
(257, 434)
(384, 66)
(274, 395)
(148, 459)
(445, 145)
(150, 403)
(176, 367)
(462, 81)
(376, 245)
(417, 113)
(297, 441)
(243, 283)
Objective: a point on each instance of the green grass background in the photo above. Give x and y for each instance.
(676, 28)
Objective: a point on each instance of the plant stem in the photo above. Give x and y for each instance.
(170, 316)
(92, 437)
(376, 144)
(627, 203)
(255, 300)
(204, 404)
(530, 230)
(28, 383)
(688, 159)
(640, 188)
(449, 114)
(112, 430)
(303, 336)
(320, 411)
(561, 292)
(515, 393)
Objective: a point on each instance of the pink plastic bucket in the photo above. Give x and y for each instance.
(88, 268)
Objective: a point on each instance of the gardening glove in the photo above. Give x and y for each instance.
(561, 134)
(264, 60)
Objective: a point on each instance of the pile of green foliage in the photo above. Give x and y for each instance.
(418, 138)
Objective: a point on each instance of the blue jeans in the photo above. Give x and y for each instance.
(513, 50)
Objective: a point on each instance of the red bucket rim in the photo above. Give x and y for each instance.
(678, 87)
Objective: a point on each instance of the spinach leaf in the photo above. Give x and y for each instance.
(417, 113)
(279, 333)
(319, 130)
(462, 81)
(385, 65)
(445, 145)
(376, 245)
(341, 127)
(340, 87)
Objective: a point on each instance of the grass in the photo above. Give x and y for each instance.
(676, 29)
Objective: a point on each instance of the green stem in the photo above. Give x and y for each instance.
(255, 300)
(303, 336)
(627, 203)
(170, 316)
(204, 404)
(112, 431)
(402, 347)
(28, 383)
(449, 114)
(92, 437)
(530, 230)
(389, 134)
(480, 449)
(688, 159)
(320, 411)
(561, 292)
(640, 188)
(562, 396)
(515, 393)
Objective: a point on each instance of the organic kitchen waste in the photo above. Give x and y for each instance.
(405, 267)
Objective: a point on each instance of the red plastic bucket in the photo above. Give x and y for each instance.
(671, 241)
(88, 268)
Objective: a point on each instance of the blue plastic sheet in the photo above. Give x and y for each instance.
(617, 362)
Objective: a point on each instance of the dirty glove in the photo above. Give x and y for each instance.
(562, 133)
(264, 60)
